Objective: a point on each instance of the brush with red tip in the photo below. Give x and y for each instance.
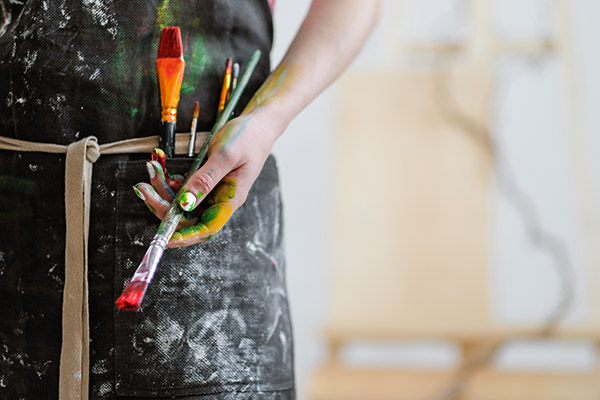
(132, 296)
(169, 66)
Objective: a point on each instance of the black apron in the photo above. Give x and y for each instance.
(215, 321)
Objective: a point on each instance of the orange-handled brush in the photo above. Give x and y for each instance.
(226, 85)
(170, 66)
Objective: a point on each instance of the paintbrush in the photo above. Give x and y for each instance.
(192, 142)
(234, 78)
(132, 296)
(226, 86)
(169, 66)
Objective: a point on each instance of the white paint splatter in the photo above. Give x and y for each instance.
(57, 101)
(95, 75)
(170, 334)
(9, 99)
(29, 59)
(273, 326)
(284, 344)
(52, 268)
(99, 10)
(34, 168)
(105, 388)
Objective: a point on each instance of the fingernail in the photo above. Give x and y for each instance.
(187, 201)
(159, 156)
(150, 169)
(138, 193)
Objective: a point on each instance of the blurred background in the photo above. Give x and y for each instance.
(442, 206)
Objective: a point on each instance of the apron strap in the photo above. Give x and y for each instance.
(73, 383)
(81, 155)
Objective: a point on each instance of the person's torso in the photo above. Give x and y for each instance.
(74, 68)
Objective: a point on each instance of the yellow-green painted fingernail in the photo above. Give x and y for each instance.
(139, 193)
(187, 201)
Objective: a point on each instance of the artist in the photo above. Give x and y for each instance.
(215, 322)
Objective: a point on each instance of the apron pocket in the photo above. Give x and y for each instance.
(206, 323)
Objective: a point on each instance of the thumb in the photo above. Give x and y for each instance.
(202, 182)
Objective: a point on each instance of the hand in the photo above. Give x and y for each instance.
(236, 156)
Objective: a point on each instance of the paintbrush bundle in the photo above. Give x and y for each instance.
(132, 296)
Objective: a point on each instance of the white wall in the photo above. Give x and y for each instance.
(531, 128)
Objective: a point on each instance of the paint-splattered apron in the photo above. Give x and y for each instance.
(215, 321)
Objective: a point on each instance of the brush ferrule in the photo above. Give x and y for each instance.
(147, 268)
(169, 114)
(159, 240)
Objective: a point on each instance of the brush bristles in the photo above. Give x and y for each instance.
(132, 296)
(170, 45)
(196, 110)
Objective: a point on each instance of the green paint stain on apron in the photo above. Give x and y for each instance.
(165, 16)
(196, 60)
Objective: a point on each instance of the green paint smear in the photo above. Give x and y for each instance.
(9, 184)
(165, 15)
(121, 103)
(211, 213)
(230, 137)
(196, 60)
(118, 70)
(134, 112)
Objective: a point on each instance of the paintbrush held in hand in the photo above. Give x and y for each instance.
(132, 296)
(170, 66)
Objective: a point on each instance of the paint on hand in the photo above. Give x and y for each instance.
(138, 193)
(159, 180)
(274, 87)
(187, 201)
(174, 181)
(152, 199)
(232, 131)
(212, 219)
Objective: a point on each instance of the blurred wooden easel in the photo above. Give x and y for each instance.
(412, 228)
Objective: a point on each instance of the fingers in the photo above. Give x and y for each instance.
(202, 182)
(174, 181)
(159, 207)
(159, 181)
(153, 200)
(211, 221)
(221, 204)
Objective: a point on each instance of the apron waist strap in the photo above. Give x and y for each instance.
(74, 356)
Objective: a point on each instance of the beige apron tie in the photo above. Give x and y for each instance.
(81, 155)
